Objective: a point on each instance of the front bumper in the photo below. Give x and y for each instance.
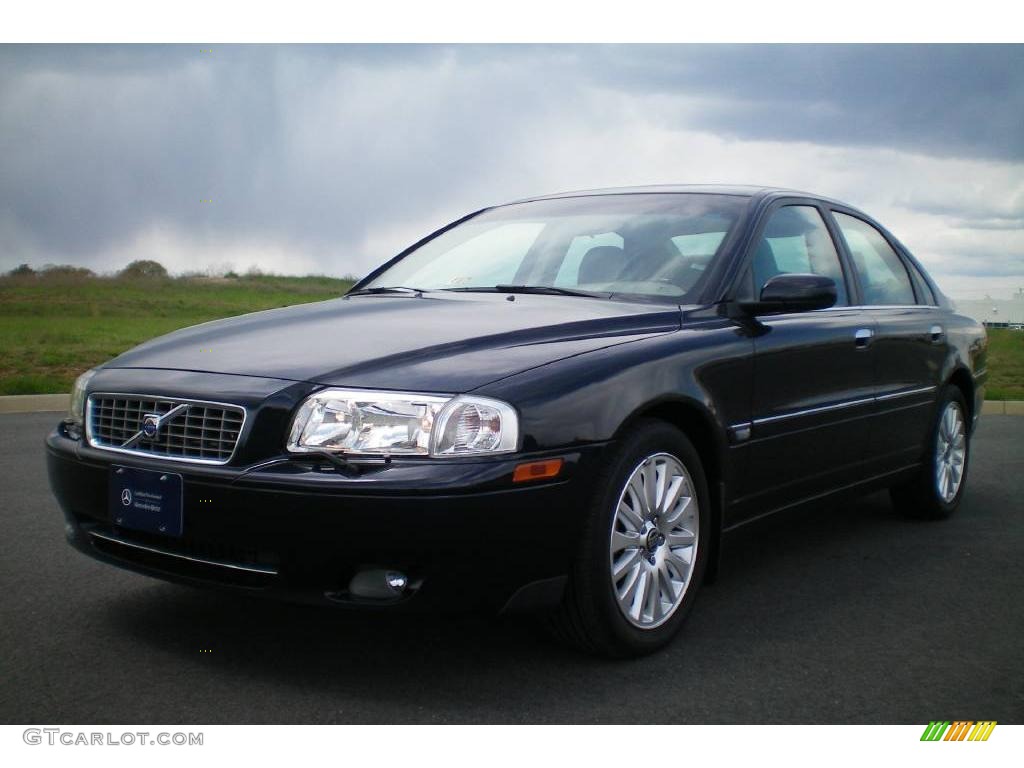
(466, 536)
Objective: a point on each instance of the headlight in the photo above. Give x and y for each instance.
(77, 412)
(355, 422)
(473, 425)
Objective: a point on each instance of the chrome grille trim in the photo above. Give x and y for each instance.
(206, 432)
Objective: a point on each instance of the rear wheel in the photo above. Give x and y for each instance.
(936, 491)
(643, 549)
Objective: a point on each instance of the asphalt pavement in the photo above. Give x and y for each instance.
(845, 614)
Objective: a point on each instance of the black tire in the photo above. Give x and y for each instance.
(920, 497)
(589, 616)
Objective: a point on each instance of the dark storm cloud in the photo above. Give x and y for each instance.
(318, 146)
(984, 261)
(947, 100)
(311, 143)
(98, 142)
(996, 223)
(1004, 213)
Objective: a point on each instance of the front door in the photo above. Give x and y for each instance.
(813, 374)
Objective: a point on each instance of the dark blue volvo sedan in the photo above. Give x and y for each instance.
(555, 405)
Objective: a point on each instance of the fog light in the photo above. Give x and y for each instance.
(378, 584)
(397, 581)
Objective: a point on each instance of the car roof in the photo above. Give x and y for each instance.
(741, 190)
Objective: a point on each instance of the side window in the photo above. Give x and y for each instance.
(883, 277)
(795, 239)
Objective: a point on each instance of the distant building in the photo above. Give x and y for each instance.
(994, 312)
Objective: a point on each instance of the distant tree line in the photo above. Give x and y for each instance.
(142, 269)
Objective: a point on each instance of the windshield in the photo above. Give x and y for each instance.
(657, 245)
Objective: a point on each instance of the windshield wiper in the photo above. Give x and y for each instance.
(549, 290)
(384, 289)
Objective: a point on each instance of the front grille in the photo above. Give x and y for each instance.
(196, 431)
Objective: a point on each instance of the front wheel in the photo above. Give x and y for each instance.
(936, 492)
(643, 548)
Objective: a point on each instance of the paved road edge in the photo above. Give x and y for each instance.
(33, 403)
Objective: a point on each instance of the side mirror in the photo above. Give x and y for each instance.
(793, 293)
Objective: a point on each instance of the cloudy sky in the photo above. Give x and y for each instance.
(332, 159)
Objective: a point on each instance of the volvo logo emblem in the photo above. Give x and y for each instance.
(150, 425)
(126, 497)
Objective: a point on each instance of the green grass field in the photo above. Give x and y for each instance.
(1005, 365)
(53, 327)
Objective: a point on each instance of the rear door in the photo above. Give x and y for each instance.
(910, 344)
(813, 371)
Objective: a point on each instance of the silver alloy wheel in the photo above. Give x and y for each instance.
(950, 452)
(653, 547)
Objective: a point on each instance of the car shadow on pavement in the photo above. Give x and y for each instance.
(803, 603)
(321, 646)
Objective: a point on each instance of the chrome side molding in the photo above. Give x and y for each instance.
(741, 431)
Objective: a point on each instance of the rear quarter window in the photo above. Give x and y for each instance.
(925, 295)
(883, 276)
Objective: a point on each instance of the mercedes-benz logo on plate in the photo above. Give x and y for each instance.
(150, 425)
(126, 497)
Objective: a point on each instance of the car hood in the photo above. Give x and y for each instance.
(451, 342)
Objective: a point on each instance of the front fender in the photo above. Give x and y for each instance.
(587, 398)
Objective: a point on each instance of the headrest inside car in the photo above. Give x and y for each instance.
(601, 264)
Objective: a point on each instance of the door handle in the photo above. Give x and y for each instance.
(935, 334)
(863, 337)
